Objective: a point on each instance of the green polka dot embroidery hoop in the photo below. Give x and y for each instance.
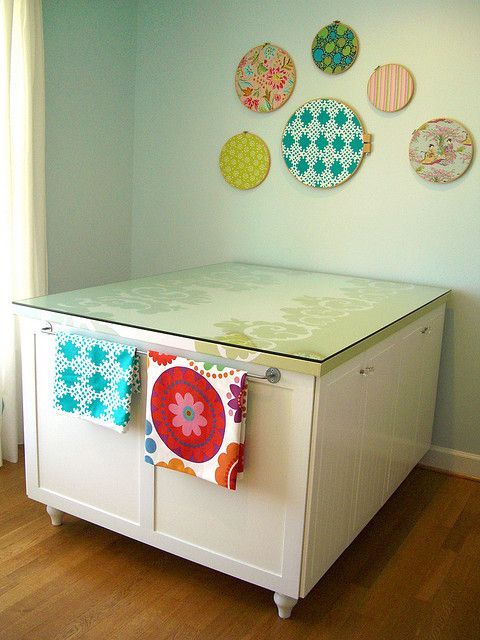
(324, 142)
(335, 48)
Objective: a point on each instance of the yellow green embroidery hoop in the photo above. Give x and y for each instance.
(244, 161)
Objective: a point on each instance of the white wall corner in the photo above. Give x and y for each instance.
(452, 461)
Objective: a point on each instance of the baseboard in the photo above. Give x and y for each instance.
(451, 461)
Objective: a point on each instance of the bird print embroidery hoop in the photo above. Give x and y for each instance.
(335, 48)
(390, 87)
(441, 150)
(244, 160)
(324, 143)
(265, 78)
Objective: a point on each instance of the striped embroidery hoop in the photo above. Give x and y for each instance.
(390, 87)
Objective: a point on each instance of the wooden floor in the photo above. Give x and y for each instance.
(414, 572)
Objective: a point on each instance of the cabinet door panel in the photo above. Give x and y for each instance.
(342, 402)
(253, 524)
(381, 392)
(432, 343)
(420, 354)
(212, 517)
(408, 403)
(85, 462)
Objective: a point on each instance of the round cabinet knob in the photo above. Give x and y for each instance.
(273, 375)
(366, 371)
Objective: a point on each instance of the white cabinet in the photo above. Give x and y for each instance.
(323, 454)
(373, 424)
(84, 469)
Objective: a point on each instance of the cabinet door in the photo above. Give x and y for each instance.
(420, 355)
(408, 402)
(431, 332)
(255, 532)
(381, 373)
(334, 467)
(87, 464)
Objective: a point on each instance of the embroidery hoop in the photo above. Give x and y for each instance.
(357, 46)
(371, 80)
(293, 76)
(468, 136)
(268, 160)
(366, 139)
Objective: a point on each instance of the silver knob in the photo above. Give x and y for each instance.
(366, 371)
(273, 375)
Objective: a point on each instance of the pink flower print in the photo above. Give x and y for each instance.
(277, 77)
(188, 414)
(238, 398)
(251, 103)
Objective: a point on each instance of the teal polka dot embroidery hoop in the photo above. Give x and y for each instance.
(324, 142)
(335, 48)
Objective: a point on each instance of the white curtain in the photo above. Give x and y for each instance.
(23, 262)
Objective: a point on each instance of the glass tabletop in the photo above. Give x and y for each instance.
(300, 314)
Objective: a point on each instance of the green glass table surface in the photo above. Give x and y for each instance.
(299, 314)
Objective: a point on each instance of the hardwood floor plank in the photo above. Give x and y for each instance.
(440, 570)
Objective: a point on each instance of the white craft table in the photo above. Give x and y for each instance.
(326, 445)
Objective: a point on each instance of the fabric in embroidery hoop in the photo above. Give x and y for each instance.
(265, 78)
(441, 150)
(324, 143)
(335, 48)
(244, 160)
(390, 87)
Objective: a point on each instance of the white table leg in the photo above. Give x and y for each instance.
(55, 515)
(284, 604)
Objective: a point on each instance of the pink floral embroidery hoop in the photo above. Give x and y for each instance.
(441, 150)
(265, 78)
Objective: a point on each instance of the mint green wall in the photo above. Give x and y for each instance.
(384, 223)
(89, 67)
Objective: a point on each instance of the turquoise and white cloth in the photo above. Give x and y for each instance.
(95, 379)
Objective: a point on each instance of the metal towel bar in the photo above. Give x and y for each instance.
(272, 374)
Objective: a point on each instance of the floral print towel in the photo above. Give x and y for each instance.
(195, 418)
(94, 379)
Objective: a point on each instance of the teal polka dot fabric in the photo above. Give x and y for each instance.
(95, 379)
(322, 143)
